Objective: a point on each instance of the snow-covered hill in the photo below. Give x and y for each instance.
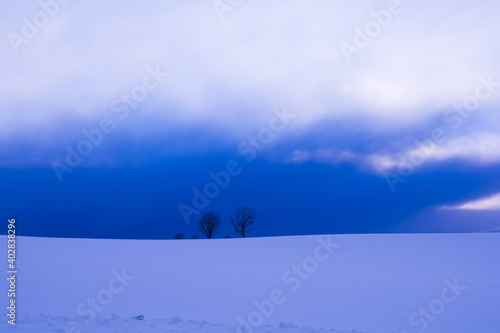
(337, 283)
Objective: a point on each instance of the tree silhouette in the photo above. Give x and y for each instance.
(243, 219)
(179, 236)
(209, 224)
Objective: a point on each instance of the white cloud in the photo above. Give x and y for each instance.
(488, 203)
(233, 72)
(329, 156)
(477, 148)
(279, 51)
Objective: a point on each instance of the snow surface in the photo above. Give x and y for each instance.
(47, 323)
(368, 283)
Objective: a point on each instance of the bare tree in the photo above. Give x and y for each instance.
(243, 219)
(209, 224)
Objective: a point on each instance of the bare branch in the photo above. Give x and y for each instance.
(244, 218)
(209, 224)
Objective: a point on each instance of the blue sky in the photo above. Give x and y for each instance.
(373, 116)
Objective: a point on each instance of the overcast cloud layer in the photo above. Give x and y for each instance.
(230, 74)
